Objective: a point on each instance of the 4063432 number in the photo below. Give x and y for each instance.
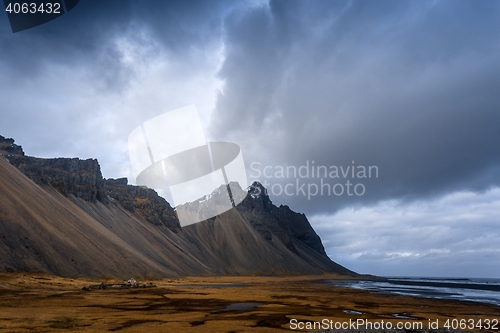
(32, 8)
(462, 324)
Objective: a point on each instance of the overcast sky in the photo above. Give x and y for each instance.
(410, 88)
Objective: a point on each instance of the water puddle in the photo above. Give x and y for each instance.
(403, 315)
(352, 312)
(241, 306)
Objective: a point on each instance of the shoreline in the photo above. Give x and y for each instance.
(473, 290)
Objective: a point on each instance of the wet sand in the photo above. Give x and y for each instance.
(42, 303)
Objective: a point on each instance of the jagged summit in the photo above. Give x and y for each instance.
(258, 192)
(8, 147)
(60, 216)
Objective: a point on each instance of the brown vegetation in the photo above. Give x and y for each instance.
(43, 303)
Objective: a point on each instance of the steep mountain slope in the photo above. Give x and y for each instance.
(44, 231)
(67, 220)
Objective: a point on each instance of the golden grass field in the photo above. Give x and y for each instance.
(42, 303)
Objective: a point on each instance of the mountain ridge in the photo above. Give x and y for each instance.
(62, 217)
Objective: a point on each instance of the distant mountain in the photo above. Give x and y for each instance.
(60, 216)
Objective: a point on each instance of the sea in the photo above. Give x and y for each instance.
(462, 289)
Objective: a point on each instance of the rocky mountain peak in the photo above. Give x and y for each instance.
(143, 201)
(259, 194)
(8, 147)
(280, 221)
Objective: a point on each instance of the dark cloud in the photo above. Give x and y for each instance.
(86, 36)
(408, 86)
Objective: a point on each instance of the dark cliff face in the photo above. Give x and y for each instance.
(281, 221)
(144, 202)
(266, 218)
(83, 179)
(69, 176)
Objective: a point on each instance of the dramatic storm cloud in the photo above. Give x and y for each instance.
(407, 87)
(410, 87)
